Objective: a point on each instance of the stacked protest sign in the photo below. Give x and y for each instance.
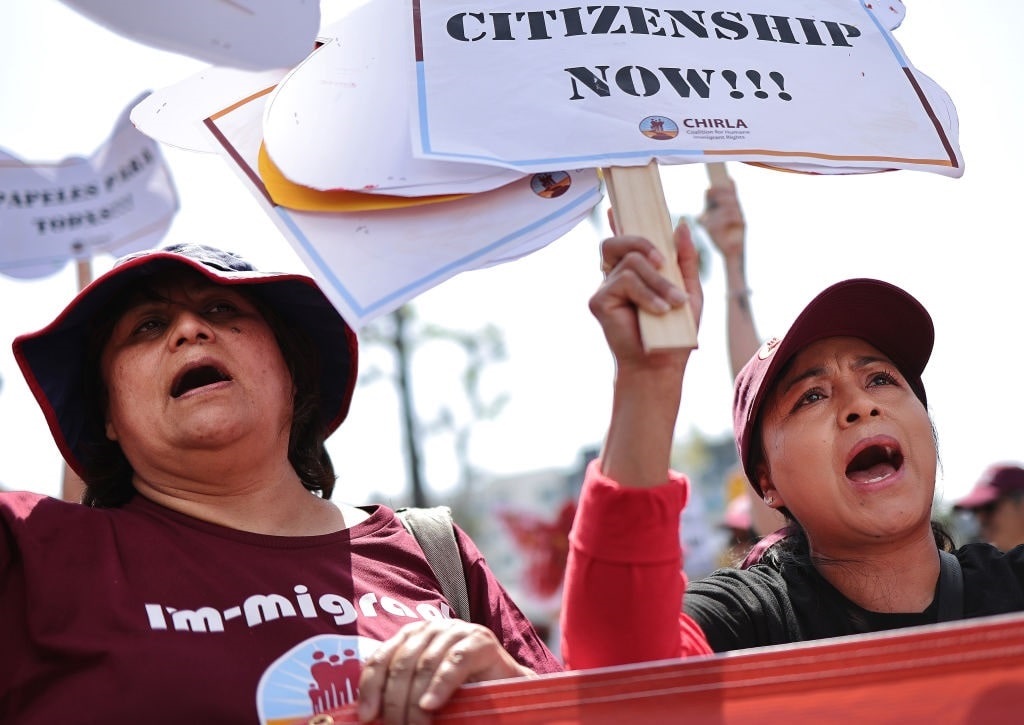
(422, 138)
(356, 134)
(324, 150)
(118, 200)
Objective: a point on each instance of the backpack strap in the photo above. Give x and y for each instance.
(951, 588)
(433, 530)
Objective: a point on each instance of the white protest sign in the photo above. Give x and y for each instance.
(802, 82)
(252, 34)
(119, 200)
(370, 263)
(340, 119)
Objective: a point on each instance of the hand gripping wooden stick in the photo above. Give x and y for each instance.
(638, 202)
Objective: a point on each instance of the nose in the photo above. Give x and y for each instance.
(857, 404)
(189, 327)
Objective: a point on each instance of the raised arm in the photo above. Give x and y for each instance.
(724, 222)
(647, 385)
(624, 579)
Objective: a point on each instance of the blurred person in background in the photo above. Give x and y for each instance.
(997, 504)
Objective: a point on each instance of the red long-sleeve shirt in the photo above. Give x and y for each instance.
(624, 579)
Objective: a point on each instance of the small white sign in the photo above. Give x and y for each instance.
(119, 200)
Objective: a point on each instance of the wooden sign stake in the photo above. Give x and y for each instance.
(72, 486)
(638, 202)
(717, 174)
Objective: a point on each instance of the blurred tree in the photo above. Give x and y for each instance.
(402, 333)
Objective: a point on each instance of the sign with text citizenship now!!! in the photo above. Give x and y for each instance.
(809, 85)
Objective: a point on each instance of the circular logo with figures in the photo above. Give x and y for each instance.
(314, 677)
(660, 128)
(550, 184)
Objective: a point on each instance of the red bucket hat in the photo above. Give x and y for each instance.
(875, 311)
(53, 359)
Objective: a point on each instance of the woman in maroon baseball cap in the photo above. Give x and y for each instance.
(208, 578)
(832, 430)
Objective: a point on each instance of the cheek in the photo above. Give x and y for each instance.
(123, 377)
(797, 457)
(118, 400)
(924, 446)
(780, 446)
(275, 368)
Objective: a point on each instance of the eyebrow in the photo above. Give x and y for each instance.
(859, 363)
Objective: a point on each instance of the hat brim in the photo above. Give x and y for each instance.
(981, 496)
(880, 313)
(53, 358)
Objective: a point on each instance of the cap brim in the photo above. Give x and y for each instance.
(979, 497)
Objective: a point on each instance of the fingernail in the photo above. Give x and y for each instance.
(678, 297)
(657, 258)
(661, 305)
(367, 709)
(429, 701)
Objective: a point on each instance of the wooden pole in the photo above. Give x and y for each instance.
(717, 173)
(84, 269)
(73, 486)
(638, 202)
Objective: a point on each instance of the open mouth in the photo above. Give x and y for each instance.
(875, 463)
(197, 377)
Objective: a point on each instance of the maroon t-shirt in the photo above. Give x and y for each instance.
(143, 614)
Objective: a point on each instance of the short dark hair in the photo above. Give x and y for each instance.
(108, 474)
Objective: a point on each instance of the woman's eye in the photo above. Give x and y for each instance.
(883, 378)
(221, 308)
(811, 396)
(147, 326)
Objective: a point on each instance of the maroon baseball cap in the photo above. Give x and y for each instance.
(53, 359)
(997, 481)
(878, 312)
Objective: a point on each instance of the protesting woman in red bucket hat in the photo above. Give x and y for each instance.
(208, 578)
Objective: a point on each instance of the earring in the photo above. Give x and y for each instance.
(769, 500)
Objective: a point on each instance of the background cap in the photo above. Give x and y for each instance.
(997, 481)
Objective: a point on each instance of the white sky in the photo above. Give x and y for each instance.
(952, 243)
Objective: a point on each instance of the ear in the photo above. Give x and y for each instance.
(764, 483)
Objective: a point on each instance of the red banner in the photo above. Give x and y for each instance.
(963, 672)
